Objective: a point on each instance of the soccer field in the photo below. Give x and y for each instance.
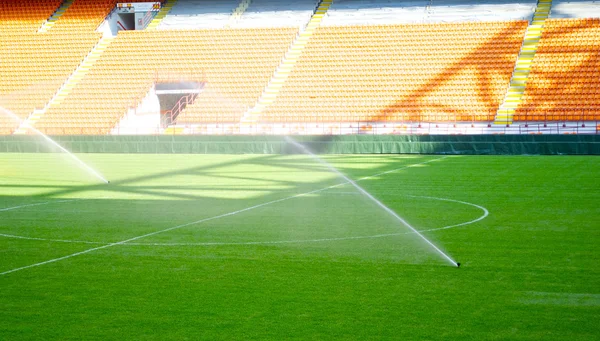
(241, 247)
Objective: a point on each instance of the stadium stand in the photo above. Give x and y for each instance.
(25, 16)
(84, 16)
(427, 72)
(35, 65)
(518, 82)
(362, 60)
(235, 62)
(19, 19)
(564, 83)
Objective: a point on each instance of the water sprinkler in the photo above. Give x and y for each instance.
(370, 196)
(458, 265)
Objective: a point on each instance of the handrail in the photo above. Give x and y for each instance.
(183, 102)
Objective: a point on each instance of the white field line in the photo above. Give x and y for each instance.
(36, 204)
(201, 221)
(483, 209)
(14, 236)
(483, 216)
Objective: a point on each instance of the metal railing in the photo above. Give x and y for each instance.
(169, 116)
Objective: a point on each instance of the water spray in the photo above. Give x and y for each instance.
(54, 143)
(368, 195)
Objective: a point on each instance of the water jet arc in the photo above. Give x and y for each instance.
(307, 151)
(54, 143)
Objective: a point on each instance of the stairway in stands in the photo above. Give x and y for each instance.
(238, 12)
(287, 64)
(68, 86)
(52, 20)
(165, 9)
(518, 81)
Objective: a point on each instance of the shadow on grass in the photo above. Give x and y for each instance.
(268, 186)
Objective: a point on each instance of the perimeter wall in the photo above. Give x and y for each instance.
(338, 144)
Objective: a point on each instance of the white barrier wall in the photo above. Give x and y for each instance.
(575, 9)
(191, 14)
(274, 13)
(480, 10)
(365, 12)
(145, 119)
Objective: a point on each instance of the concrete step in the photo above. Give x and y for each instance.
(522, 68)
(274, 87)
(269, 96)
(278, 80)
(526, 63)
(531, 48)
(526, 52)
(272, 92)
(512, 100)
(286, 67)
(298, 47)
(265, 101)
(504, 113)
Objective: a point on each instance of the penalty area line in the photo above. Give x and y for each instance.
(54, 260)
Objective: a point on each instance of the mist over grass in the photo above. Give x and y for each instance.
(325, 265)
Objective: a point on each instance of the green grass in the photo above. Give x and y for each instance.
(311, 267)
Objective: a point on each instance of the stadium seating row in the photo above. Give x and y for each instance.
(241, 51)
(565, 77)
(428, 82)
(35, 65)
(22, 16)
(420, 72)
